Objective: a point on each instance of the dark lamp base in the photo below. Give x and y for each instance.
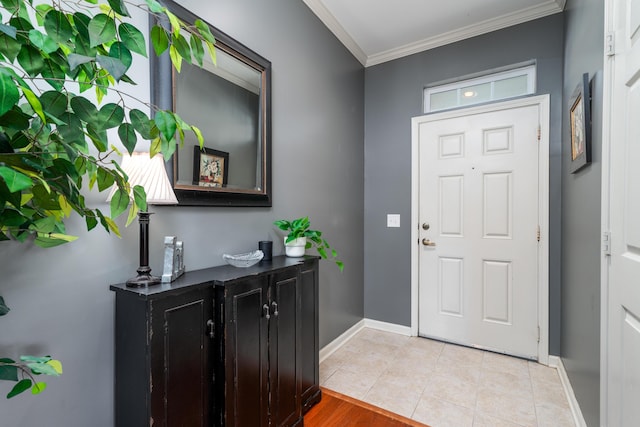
(143, 280)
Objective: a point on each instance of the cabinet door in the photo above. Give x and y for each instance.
(181, 370)
(310, 343)
(246, 359)
(284, 342)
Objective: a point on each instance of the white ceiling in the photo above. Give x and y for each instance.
(377, 31)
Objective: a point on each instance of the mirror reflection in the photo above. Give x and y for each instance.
(224, 102)
(230, 102)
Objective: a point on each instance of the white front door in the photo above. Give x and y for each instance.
(479, 209)
(621, 191)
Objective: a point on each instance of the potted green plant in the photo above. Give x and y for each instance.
(301, 237)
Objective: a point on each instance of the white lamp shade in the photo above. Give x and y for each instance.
(151, 174)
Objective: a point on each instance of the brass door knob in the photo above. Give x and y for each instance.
(428, 242)
(425, 226)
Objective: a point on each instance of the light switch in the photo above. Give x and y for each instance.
(393, 220)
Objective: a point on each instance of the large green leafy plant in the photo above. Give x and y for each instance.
(64, 112)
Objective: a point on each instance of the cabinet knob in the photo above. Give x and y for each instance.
(275, 308)
(265, 309)
(210, 325)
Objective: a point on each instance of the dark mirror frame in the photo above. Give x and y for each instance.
(162, 86)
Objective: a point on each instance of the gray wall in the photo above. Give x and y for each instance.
(60, 299)
(584, 25)
(393, 94)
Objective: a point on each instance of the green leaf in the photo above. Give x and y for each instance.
(9, 94)
(128, 137)
(75, 60)
(154, 6)
(41, 12)
(49, 240)
(8, 30)
(112, 226)
(133, 39)
(34, 102)
(140, 197)
(166, 123)
(9, 47)
(119, 7)
(30, 60)
(84, 109)
(15, 180)
(54, 103)
(38, 388)
(119, 202)
(98, 137)
(175, 23)
(110, 116)
(57, 366)
(114, 66)
(43, 41)
(196, 49)
(119, 51)
(159, 39)
(204, 30)
(105, 179)
(81, 22)
(53, 74)
(8, 373)
(57, 26)
(340, 265)
(142, 124)
(183, 48)
(102, 29)
(41, 367)
(198, 135)
(20, 387)
(176, 59)
(3, 307)
(12, 6)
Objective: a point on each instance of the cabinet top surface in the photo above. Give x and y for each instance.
(215, 276)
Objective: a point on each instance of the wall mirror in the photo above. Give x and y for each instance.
(231, 104)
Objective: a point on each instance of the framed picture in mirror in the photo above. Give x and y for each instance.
(210, 167)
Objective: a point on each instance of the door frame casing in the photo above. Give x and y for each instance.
(543, 104)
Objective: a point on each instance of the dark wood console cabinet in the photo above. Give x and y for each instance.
(222, 346)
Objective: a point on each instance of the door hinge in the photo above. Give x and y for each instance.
(606, 243)
(539, 132)
(610, 44)
(538, 234)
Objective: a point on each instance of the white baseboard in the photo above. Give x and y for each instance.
(578, 418)
(387, 327)
(330, 348)
(334, 345)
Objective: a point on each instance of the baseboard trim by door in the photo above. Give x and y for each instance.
(334, 345)
(578, 418)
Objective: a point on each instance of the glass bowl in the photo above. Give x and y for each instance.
(244, 260)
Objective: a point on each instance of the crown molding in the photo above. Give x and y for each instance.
(547, 8)
(529, 14)
(327, 18)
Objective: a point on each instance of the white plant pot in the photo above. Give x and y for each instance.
(295, 248)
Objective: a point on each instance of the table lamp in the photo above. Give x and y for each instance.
(150, 173)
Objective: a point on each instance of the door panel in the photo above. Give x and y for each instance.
(622, 342)
(478, 261)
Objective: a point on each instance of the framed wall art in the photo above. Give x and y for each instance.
(210, 167)
(580, 125)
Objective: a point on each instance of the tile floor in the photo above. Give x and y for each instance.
(446, 385)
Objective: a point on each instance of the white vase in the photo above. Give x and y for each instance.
(296, 247)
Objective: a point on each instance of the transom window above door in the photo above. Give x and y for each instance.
(498, 85)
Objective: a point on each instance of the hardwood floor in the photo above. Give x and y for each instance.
(338, 410)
